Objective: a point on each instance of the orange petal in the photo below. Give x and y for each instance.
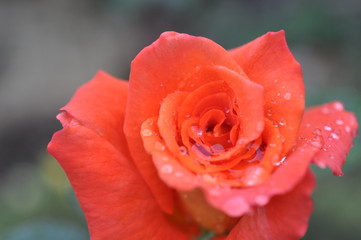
(114, 197)
(285, 217)
(100, 106)
(268, 62)
(336, 128)
(158, 70)
(236, 202)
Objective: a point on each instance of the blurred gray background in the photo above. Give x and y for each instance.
(48, 48)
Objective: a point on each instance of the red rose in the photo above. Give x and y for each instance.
(200, 137)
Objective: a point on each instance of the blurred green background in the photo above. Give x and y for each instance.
(48, 48)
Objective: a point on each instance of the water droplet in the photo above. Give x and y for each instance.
(331, 156)
(327, 128)
(273, 101)
(269, 112)
(282, 122)
(308, 124)
(188, 115)
(279, 94)
(347, 129)
(338, 106)
(241, 141)
(339, 122)
(217, 148)
(197, 130)
(287, 96)
(183, 150)
(334, 136)
(261, 200)
(166, 168)
(272, 145)
(146, 132)
(316, 141)
(254, 175)
(283, 139)
(317, 132)
(159, 146)
(227, 110)
(278, 163)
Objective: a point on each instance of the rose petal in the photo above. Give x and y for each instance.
(268, 62)
(285, 217)
(100, 106)
(336, 127)
(250, 105)
(115, 199)
(158, 70)
(236, 202)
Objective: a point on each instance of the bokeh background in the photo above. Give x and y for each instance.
(48, 48)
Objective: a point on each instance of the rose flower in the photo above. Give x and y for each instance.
(200, 138)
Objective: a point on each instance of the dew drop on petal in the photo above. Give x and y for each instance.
(308, 125)
(197, 130)
(272, 145)
(261, 200)
(339, 122)
(166, 168)
(327, 128)
(241, 141)
(278, 163)
(254, 175)
(317, 132)
(183, 150)
(282, 122)
(338, 106)
(334, 136)
(347, 129)
(287, 96)
(159, 146)
(316, 141)
(269, 112)
(146, 132)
